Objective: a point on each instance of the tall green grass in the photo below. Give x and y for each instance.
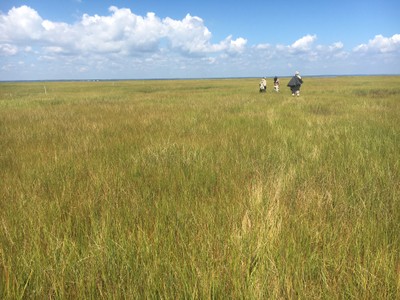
(200, 189)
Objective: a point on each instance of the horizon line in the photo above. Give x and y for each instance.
(189, 78)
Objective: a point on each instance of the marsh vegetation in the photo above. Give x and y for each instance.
(200, 189)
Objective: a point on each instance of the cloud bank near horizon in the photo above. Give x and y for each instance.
(123, 44)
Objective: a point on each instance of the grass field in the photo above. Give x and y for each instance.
(200, 189)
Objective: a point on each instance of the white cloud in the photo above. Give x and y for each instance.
(303, 46)
(237, 45)
(263, 46)
(53, 50)
(7, 49)
(189, 34)
(120, 32)
(123, 44)
(381, 44)
(304, 43)
(335, 49)
(20, 23)
(304, 49)
(336, 46)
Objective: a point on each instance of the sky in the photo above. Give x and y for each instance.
(145, 39)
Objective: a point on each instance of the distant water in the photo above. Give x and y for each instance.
(199, 78)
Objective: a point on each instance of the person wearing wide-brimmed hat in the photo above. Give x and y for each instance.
(295, 84)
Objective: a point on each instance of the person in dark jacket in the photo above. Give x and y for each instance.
(276, 84)
(295, 84)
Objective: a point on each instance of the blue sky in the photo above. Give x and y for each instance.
(88, 39)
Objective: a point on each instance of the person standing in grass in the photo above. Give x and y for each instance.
(263, 85)
(295, 84)
(276, 84)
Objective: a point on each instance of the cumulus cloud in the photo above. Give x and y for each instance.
(304, 43)
(142, 46)
(305, 49)
(21, 23)
(120, 32)
(333, 49)
(7, 49)
(237, 45)
(381, 44)
(300, 46)
(189, 35)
